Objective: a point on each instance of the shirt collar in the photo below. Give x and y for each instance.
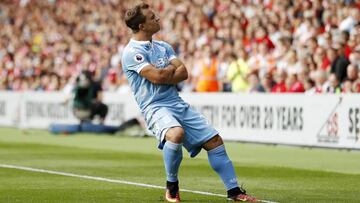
(141, 42)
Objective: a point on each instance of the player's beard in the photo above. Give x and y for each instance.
(157, 29)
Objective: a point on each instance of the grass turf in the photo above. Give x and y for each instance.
(276, 173)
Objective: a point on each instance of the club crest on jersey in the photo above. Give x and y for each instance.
(162, 62)
(139, 58)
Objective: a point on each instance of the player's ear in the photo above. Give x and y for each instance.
(141, 26)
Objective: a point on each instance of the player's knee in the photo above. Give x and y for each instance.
(213, 143)
(217, 140)
(175, 135)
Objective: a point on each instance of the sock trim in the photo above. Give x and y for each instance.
(217, 149)
(173, 146)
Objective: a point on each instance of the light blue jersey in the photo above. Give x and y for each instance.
(161, 105)
(137, 55)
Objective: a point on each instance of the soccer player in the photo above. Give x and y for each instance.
(153, 70)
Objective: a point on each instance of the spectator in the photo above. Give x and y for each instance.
(208, 80)
(238, 71)
(309, 85)
(352, 72)
(267, 82)
(280, 79)
(293, 85)
(44, 43)
(334, 84)
(320, 81)
(254, 83)
(339, 65)
(347, 87)
(355, 56)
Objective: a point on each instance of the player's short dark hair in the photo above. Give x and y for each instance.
(134, 16)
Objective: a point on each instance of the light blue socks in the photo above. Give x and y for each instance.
(221, 163)
(172, 159)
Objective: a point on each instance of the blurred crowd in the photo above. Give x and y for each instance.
(310, 46)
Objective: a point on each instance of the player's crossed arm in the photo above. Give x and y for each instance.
(181, 73)
(174, 73)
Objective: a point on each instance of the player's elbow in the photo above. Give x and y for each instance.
(183, 77)
(184, 74)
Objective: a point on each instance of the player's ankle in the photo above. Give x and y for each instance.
(173, 187)
(235, 191)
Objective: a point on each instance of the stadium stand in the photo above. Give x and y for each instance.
(310, 46)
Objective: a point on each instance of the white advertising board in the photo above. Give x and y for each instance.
(294, 119)
(40, 109)
(9, 108)
(325, 120)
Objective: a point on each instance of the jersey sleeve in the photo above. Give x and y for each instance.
(134, 60)
(169, 51)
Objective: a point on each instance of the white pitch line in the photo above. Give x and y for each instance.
(110, 180)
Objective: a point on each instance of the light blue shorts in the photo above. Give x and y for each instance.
(197, 129)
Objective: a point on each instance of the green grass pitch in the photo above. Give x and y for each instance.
(275, 173)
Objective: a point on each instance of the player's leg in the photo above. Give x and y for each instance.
(170, 133)
(172, 153)
(220, 162)
(200, 134)
(223, 166)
